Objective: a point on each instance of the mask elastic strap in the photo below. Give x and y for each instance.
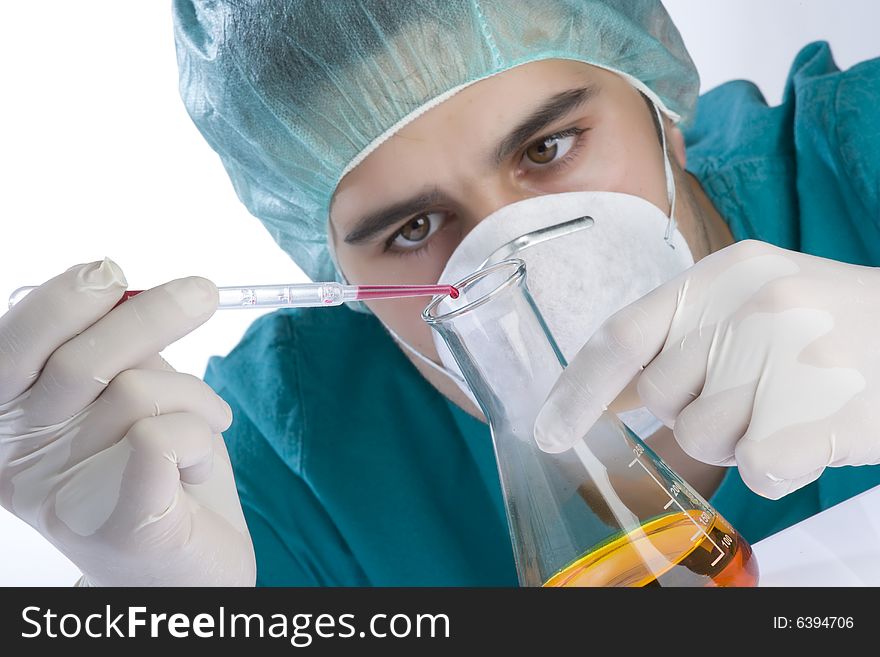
(406, 345)
(424, 359)
(670, 180)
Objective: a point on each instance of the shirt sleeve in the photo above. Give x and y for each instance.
(295, 540)
(857, 131)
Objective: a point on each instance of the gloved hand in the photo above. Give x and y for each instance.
(758, 357)
(107, 451)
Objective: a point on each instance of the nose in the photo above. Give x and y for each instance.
(483, 200)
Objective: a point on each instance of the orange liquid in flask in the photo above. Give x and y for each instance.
(692, 555)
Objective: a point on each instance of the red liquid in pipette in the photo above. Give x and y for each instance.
(386, 291)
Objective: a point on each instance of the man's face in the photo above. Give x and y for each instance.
(542, 128)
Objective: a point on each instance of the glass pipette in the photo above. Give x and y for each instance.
(298, 295)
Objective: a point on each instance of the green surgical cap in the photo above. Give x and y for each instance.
(292, 94)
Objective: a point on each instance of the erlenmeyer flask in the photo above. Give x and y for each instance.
(607, 512)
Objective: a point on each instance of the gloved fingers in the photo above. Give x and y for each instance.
(132, 483)
(709, 428)
(218, 492)
(80, 369)
(778, 464)
(154, 362)
(676, 376)
(603, 367)
(774, 490)
(165, 451)
(136, 394)
(200, 471)
(49, 316)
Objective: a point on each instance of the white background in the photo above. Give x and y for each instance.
(100, 158)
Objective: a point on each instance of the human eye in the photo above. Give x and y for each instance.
(552, 151)
(415, 233)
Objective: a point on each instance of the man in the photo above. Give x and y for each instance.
(371, 139)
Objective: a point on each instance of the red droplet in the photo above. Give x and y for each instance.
(453, 292)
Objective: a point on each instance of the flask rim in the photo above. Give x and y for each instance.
(429, 314)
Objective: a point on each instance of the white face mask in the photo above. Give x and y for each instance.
(587, 255)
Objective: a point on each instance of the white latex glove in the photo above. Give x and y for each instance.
(758, 357)
(107, 451)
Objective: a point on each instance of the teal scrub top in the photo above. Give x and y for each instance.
(353, 470)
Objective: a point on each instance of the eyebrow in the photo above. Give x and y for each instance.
(556, 107)
(377, 222)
